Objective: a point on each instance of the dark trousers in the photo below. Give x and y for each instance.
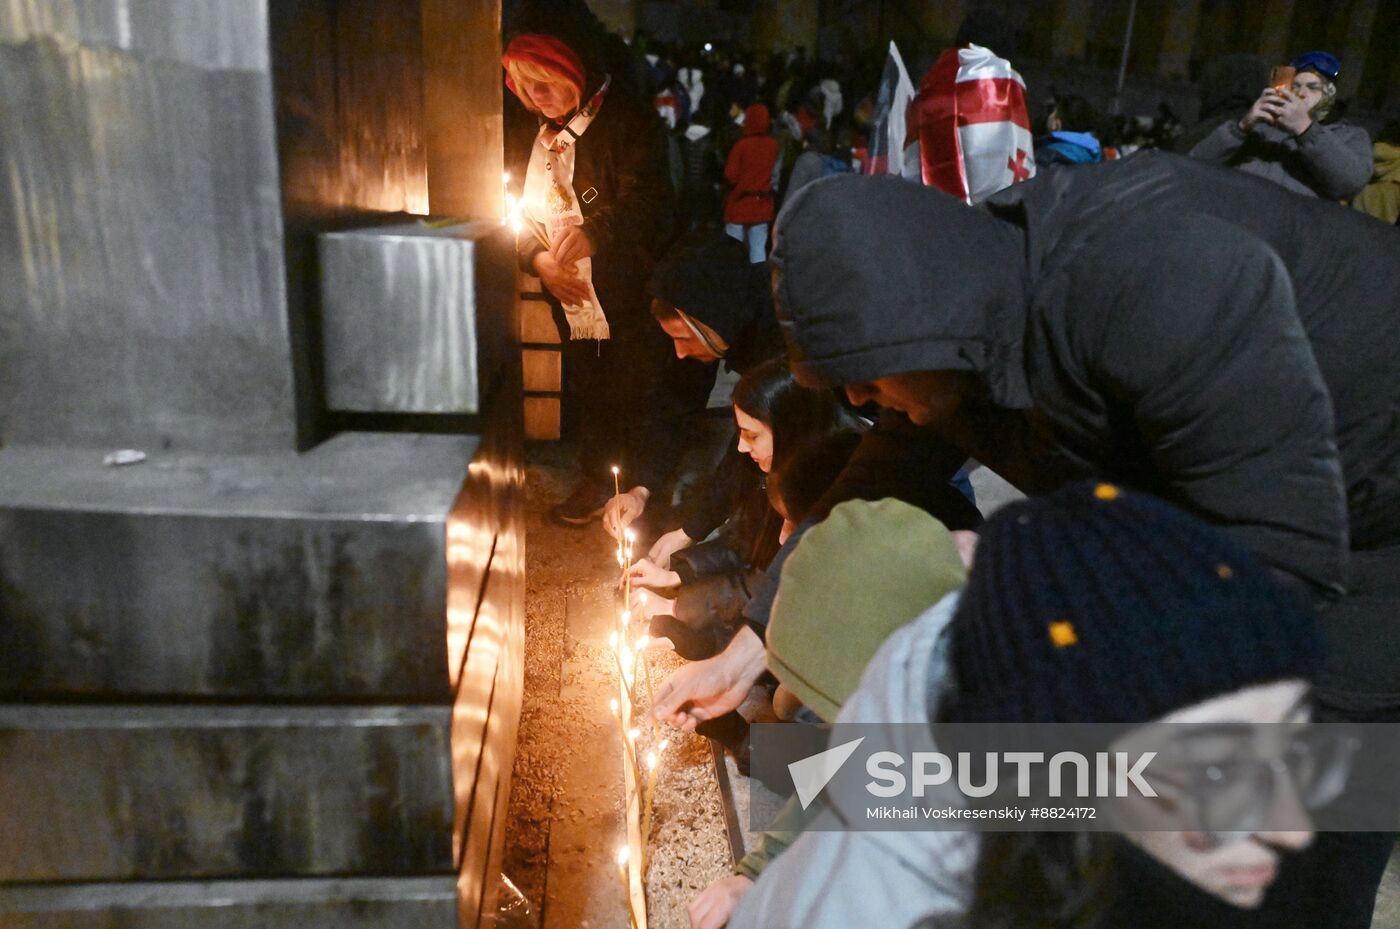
(628, 400)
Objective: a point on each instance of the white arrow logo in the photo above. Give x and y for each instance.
(814, 772)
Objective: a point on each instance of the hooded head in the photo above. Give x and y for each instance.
(1230, 84)
(708, 277)
(756, 121)
(875, 277)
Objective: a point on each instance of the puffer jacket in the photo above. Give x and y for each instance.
(1381, 197)
(717, 577)
(1184, 329)
(1329, 161)
(1188, 330)
(749, 170)
(834, 878)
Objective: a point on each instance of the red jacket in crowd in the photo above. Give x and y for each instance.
(750, 171)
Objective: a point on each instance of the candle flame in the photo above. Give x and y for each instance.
(664, 743)
(643, 642)
(514, 213)
(633, 733)
(616, 470)
(612, 639)
(626, 617)
(651, 761)
(612, 704)
(629, 535)
(624, 855)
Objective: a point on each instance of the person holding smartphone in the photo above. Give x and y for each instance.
(1287, 138)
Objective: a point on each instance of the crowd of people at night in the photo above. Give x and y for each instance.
(1171, 340)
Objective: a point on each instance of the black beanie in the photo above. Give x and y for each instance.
(708, 277)
(1100, 605)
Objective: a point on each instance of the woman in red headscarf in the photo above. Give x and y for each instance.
(598, 210)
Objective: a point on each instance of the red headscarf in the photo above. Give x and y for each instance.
(546, 51)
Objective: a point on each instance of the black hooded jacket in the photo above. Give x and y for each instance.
(708, 277)
(1182, 328)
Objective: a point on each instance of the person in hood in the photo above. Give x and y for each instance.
(1038, 636)
(1381, 197)
(598, 210)
(1188, 331)
(883, 561)
(1228, 87)
(1070, 137)
(748, 208)
(692, 81)
(1285, 136)
(712, 305)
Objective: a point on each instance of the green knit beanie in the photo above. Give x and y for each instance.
(854, 578)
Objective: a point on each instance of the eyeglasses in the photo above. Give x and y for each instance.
(1323, 63)
(1231, 797)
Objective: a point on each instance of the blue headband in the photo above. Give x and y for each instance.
(1323, 63)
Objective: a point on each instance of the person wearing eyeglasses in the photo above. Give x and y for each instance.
(1112, 611)
(1286, 136)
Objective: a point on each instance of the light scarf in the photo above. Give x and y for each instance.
(550, 199)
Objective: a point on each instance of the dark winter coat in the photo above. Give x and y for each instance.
(622, 159)
(1229, 85)
(627, 201)
(1332, 161)
(708, 276)
(630, 218)
(749, 170)
(1187, 330)
(717, 577)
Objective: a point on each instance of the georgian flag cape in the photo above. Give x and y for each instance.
(888, 132)
(974, 132)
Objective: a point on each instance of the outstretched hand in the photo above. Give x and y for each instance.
(706, 689)
(621, 510)
(646, 574)
(666, 546)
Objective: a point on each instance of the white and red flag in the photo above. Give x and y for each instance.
(974, 131)
(888, 132)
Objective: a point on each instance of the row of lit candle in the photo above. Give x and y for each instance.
(632, 670)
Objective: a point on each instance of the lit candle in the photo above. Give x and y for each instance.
(629, 536)
(617, 715)
(624, 858)
(617, 491)
(623, 655)
(653, 774)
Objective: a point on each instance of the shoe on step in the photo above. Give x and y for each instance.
(583, 505)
